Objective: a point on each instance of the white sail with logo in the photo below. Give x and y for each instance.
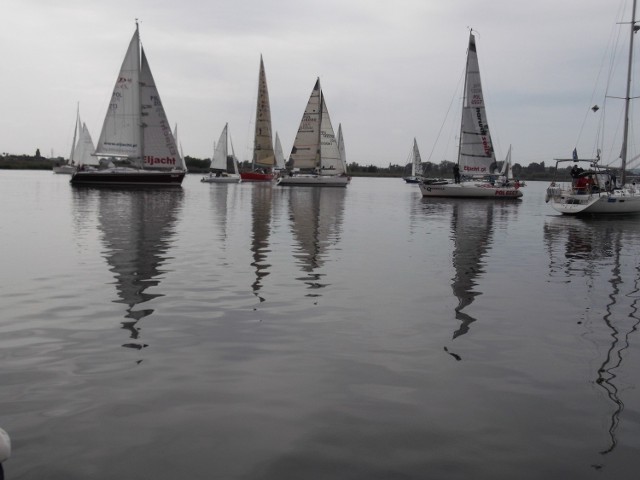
(476, 149)
(159, 146)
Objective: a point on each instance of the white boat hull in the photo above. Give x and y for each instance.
(225, 179)
(468, 190)
(64, 169)
(618, 202)
(314, 180)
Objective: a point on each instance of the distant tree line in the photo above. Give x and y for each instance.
(444, 169)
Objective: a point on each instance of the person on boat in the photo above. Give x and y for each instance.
(456, 173)
(581, 185)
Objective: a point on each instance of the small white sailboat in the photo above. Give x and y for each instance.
(315, 151)
(593, 188)
(219, 161)
(136, 146)
(81, 150)
(416, 165)
(475, 152)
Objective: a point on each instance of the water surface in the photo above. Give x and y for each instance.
(256, 332)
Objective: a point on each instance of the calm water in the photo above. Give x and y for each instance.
(257, 332)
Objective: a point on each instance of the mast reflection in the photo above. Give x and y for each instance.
(316, 220)
(593, 248)
(137, 231)
(260, 228)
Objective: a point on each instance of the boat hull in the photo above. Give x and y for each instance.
(469, 190)
(256, 177)
(64, 169)
(128, 177)
(603, 204)
(226, 179)
(314, 181)
(412, 179)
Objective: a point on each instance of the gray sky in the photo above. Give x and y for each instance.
(390, 70)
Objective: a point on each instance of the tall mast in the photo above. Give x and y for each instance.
(627, 98)
(142, 125)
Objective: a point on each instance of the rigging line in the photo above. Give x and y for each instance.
(457, 89)
(605, 55)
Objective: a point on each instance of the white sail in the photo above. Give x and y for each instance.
(85, 149)
(343, 154)
(159, 147)
(263, 154)
(280, 162)
(236, 168)
(120, 135)
(77, 128)
(219, 160)
(416, 165)
(476, 149)
(305, 152)
(330, 161)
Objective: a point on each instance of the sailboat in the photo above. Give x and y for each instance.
(81, 149)
(136, 146)
(218, 165)
(263, 155)
(475, 152)
(416, 165)
(315, 151)
(593, 189)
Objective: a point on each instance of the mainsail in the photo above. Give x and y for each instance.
(263, 154)
(219, 160)
(120, 135)
(476, 149)
(305, 153)
(416, 165)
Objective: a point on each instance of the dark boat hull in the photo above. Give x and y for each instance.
(134, 178)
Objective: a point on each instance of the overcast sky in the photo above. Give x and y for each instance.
(390, 70)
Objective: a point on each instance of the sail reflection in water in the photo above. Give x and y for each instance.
(137, 231)
(260, 228)
(316, 216)
(471, 231)
(602, 255)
